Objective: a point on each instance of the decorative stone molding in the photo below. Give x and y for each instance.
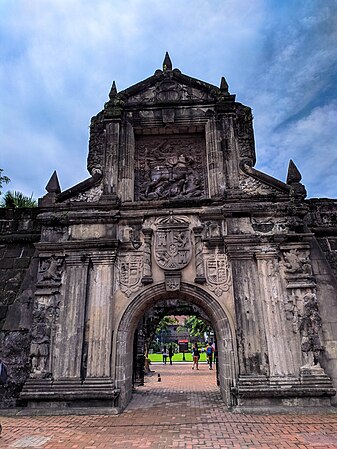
(172, 281)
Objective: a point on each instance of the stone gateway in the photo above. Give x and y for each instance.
(174, 219)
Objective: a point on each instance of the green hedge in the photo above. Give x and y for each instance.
(177, 357)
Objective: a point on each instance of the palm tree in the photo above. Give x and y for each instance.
(3, 179)
(15, 199)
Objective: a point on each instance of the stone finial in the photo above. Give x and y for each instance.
(167, 64)
(53, 185)
(293, 173)
(113, 91)
(223, 84)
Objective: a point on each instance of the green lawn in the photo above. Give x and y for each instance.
(177, 357)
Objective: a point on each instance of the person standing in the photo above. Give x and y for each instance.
(196, 355)
(209, 355)
(3, 373)
(170, 354)
(164, 351)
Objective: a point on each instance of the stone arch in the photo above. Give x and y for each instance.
(221, 322)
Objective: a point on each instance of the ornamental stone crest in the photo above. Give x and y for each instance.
(173, 249)
(218, 273)
(130, 272)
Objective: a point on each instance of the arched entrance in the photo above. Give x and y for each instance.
(221, 323)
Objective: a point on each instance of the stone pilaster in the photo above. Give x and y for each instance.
(99, 315)
(111, 157)
(126, 167)
(216, 178)
(147, 262)
(199, 259)
(68, 345)
(280, 356)
(230, 152)
(250, 327)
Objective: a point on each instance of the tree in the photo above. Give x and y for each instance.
(165, 322)
(3, 179)
(17, 199)
(196, 326)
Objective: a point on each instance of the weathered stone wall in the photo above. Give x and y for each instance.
(19, 231)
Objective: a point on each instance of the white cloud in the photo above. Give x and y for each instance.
(58, 60)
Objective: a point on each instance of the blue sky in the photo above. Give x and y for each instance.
(58, 59)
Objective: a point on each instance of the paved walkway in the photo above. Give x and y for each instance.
(183, 411)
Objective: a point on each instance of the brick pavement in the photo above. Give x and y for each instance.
(183, 411)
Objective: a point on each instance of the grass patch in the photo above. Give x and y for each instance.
(177, 357)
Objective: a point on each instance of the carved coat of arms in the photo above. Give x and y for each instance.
(218, 273)
(173, 249)
(130, 271)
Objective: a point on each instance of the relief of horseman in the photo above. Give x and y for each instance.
(168, 177)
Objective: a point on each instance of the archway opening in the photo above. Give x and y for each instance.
(192, 297)
(168, 333)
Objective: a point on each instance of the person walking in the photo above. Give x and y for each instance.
(209, 355)
(196, 355)
(170, 354)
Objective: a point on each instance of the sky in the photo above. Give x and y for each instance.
(58, 59)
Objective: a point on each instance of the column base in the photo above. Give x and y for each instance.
(312, 388)
(69, 393)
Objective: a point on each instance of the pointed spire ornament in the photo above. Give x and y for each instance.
(53, 185)
(113, 91)
(167, 64)
(223, 84)
(293, 173)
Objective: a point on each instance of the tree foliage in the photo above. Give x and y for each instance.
(17, 199)
(3, 180)
(196, 327)
(164, 322)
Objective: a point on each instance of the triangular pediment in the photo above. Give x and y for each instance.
(171, 86)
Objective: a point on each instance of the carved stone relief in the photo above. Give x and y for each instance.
(270, 225)
(218, 272)
(310, 327)
(45, 314)
(173, 248)
(169, 90)
(170, 168)
(252, 186)
(50, 271)
(90, 196)
(130, 268)
(172, 281)
(297, 263)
